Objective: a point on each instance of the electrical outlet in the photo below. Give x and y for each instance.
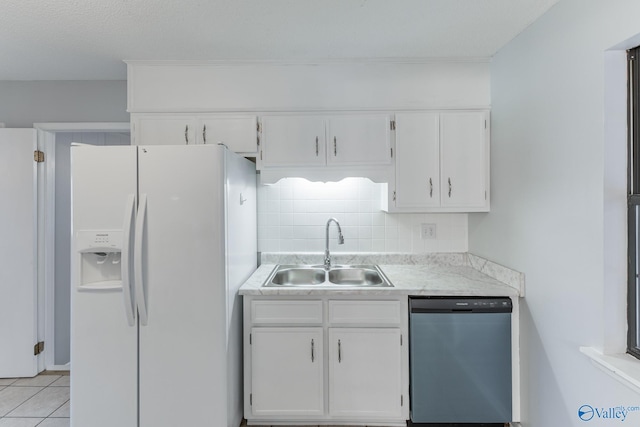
(428, 231)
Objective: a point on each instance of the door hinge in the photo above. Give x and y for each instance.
(38, 156)
(250, 398)
(392, 124)
(38, 348)
(401, 400)
(394, 196)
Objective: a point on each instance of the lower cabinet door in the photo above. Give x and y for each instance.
(365, 376)
(287, 372)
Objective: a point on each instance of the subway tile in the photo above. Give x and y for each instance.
(351, 206)
(377, 233)
(286, 206)
(364, 233)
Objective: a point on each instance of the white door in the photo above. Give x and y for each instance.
(417, 160)
(463, 148)
(365, 375)
(182, 303)
(239, 133)
(362, 139)
(296, 141)
(287, 372)
(18, 233)
(104, 335)
(164, 129)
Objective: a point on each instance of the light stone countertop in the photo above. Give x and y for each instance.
(449, 275)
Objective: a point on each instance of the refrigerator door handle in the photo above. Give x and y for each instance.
(125, 267)
(137, 261)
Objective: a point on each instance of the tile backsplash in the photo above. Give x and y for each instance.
(292, 215)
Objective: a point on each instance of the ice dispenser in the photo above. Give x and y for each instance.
(100, 259)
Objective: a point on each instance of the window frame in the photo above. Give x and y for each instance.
(633, 200)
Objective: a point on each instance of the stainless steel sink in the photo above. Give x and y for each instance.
(337, 276)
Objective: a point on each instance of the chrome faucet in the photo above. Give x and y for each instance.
(327, 256)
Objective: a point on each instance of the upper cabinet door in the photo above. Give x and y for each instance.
(164, 130)
(295, 141)
(417, 160)
(464, 153)
(362, 139)
(239, 133)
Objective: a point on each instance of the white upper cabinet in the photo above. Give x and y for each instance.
(294, 141)
(442, 162)
(359, 140)
(164, 129)
(417, 160)
(348, 140)
(238, 132)
(463, 159)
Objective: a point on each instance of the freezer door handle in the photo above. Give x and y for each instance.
(125, 265)
(141, 299)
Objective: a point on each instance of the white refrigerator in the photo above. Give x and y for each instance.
(163, 237)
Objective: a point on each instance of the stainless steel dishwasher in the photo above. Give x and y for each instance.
(460, 360)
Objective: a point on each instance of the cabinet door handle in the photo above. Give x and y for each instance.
(449, 186)
(430, 188)
(204, 134)
(313, 356)
(335, 146)
(186, 134)
(316, 146)
(339, 352)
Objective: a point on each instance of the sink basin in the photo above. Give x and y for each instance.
(296, 276)
(337, 276)
(356, 276)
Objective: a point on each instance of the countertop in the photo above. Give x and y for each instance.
(428, 278)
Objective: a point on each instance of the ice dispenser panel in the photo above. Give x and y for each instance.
(100, 259)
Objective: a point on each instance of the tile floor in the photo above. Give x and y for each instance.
(41, 401)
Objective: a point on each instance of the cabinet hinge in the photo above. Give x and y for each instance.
(250, 398)
(38, 156)
(38, 348)
(392, 124)
(401, 400)
(394, 196)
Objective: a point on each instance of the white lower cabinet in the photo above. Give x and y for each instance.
(365, 377)
(346, 366)
(287, 372)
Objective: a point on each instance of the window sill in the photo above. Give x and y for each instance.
(622, 367)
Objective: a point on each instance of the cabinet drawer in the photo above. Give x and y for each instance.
(299, 311)
(365, 312)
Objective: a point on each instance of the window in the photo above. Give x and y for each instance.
(633, 198)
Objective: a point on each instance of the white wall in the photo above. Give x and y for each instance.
(23, 103)
(550, 183)
(293, 212)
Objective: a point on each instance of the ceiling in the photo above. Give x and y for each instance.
(88, 39)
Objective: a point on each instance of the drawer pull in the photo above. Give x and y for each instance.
(339, 352)
(313, 357)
